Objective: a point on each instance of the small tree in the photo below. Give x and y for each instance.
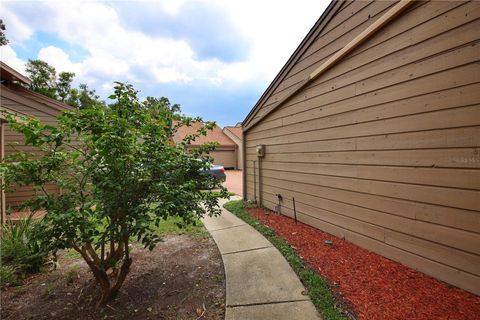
(44, 80)
(83, 97)
(43, 77)
(3, 38)
(64, 86)
(120, 176)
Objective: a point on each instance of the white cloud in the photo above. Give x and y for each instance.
(59, 59)
(173, 6)
(17, 30)
(8, 56)
(274, 29)
(114, 50)
(165, 75)
(106, 64)
(107, 87)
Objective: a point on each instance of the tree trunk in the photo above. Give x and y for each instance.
(104, 282)
(110, 287)
(124, 270)
(109, 284)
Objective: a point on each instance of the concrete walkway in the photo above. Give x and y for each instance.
(260, 282)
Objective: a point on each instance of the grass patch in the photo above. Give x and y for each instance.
(72, 273)
(175, 225)
(318, 289)
(218, 194)
(71, 254)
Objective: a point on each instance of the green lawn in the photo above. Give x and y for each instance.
(173, 225)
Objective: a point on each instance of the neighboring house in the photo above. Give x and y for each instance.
(3, 121)
(223, 155)
(236, 134)
(18, 99)
(373, 127)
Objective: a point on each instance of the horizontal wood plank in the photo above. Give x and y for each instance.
(320, 119)
(460, 178)
(431, 213)
(335, 213)
(449, 118)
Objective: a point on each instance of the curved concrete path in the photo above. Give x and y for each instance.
(260, 283)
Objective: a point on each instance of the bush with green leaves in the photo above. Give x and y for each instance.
(120, 174)
(19, 248)
(7, 275)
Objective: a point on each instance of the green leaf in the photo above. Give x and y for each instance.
(75, 155)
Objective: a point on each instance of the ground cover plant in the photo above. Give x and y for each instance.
(121, 176)
(372, 286)
(20, 251)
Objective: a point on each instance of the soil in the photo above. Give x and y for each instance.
(182, 278)
(373, 287)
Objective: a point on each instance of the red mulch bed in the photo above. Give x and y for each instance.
(374, 286)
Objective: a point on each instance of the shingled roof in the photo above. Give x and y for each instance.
(236, 131)
(215, 135)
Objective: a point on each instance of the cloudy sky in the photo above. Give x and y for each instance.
(214, 57)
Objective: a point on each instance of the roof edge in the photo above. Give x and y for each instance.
(17, 75)
(17, 114)
(385, 19)
(49, 102)
(232, 135)
(317, 27)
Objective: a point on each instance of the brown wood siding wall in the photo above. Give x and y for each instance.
(14, 141)
(224, 157)
(384, 148)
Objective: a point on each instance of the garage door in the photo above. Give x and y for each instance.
(224, 158)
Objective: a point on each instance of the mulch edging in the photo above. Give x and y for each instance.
(374, 286)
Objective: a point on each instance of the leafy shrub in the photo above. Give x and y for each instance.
(20, 248)
(121, 176)
(7, 275)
